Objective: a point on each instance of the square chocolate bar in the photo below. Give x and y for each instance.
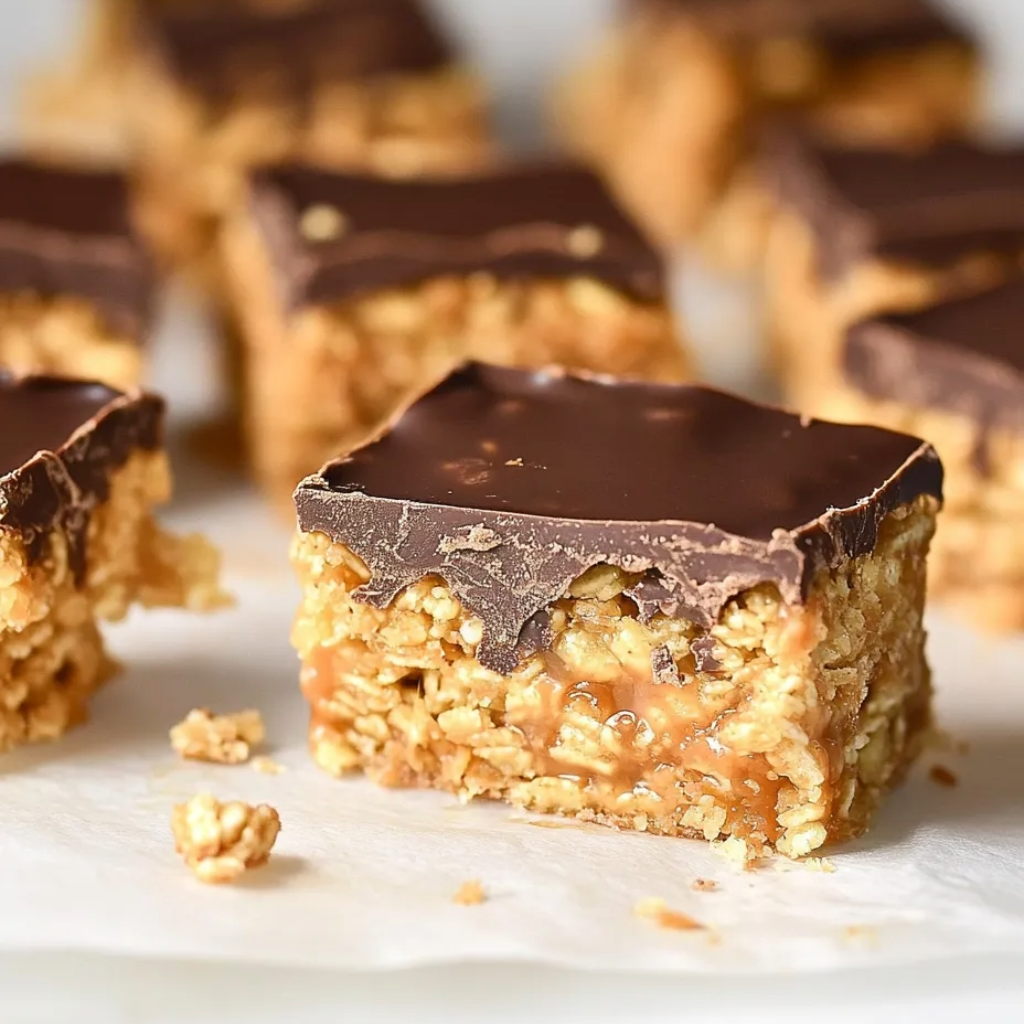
(668, 107)
(954, 373)
(354, 293)
(652, 606)
(81, 469)
(212, 88)
(77, 287)
(861, 232)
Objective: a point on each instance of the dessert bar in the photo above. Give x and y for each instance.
(77, 287)
(668, 106)
(81, 469)
(353, 293)
(865, 231)
(224, 87)
(954, 373)
(657, 607)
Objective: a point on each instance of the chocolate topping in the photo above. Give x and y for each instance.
(932, 207)
(845, 28)
(65, 232)
(510, 484)
(60, 442)
(527, 222)
(222, 48)
(965, 356)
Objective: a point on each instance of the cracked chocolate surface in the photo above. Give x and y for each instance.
(530, 221)
(60, 442)
(509, 484)
(70, 232)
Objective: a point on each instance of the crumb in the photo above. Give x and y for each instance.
(704, 885)
(514, 462)
(653, 908)
(861, 933)
(942, 776)
(221, 841)
(267, 766)
(821, 864)
(470, 894)
(223, 739)
(742, 854)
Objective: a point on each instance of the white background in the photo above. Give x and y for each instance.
(519, 42)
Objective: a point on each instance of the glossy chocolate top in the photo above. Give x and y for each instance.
(221, 48)
(510, 484)
(930, 207)
(60, 442)
(844, 27)
(65, 232)
(965, 356)
(333, 235)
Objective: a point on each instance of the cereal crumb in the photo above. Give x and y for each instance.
(942, 776)
(514, 462)
(585, 241)
(470, 894)
(267, 766)
(653, 908)
(820, 864)
(322, 223)
(223, 739)
(221, 841)
(740, 853)
(704, 885)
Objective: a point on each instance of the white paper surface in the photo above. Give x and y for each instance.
(363, 877)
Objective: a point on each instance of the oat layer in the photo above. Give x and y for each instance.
(784, 732)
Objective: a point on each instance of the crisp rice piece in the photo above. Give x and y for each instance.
(221, 841)
(470, 894)
(704, 885)
(223, 739)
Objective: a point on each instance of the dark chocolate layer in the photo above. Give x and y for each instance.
(221, 48)
(527, 222)
(965, 356)
(510, 484)
(845, 28)
(69, 232)
(931, 207)
(60, 443)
